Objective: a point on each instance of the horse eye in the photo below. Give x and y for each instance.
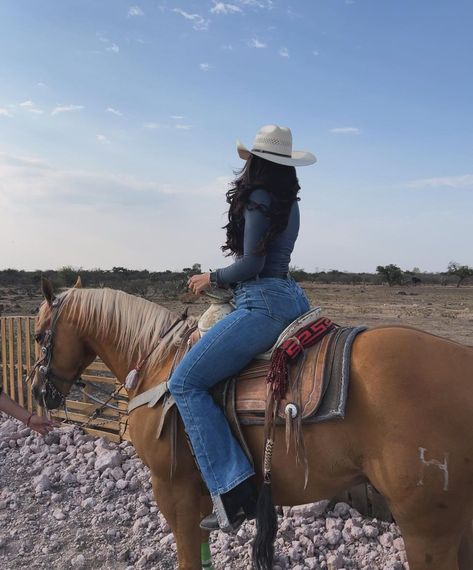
(39, 337)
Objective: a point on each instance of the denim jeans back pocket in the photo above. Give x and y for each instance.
(281, 305)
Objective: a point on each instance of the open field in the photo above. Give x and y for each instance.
(443, 310)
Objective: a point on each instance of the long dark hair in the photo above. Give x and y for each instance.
(280, 181)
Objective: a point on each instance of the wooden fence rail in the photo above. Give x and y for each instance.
(18, 354)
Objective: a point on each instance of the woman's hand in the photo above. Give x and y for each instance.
(199, 283)
(41, 424)
(38, 423)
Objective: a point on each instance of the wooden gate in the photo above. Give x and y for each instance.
(18, 354)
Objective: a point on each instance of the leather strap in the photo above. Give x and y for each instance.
(150, 397)
(167, 405)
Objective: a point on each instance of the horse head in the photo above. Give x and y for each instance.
(63, 353)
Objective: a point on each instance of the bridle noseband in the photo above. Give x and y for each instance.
(43, 365)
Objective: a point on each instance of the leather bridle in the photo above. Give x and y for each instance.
(43, 365)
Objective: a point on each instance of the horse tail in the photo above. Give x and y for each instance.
(266, 517)
(266, 529)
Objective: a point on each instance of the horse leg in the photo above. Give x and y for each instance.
(431, 552)
(465, 552)
(205, 554)
(179, 502)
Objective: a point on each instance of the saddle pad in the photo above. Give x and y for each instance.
(323, 383)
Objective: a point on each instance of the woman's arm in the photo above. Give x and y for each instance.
(257, 223)
(40, 424)
(249, 264)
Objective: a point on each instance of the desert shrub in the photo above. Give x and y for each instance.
(391, 274)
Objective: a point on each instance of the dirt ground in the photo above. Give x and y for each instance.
(443, 310)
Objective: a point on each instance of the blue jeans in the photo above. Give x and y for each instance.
(264, 308)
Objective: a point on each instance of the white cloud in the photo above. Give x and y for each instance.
(153, 126)
(5, 112)
(345, 131)
(113, 48)
(26, 180)
(316, 52)
(114, 111)
(135, 11)
(228, 47)
(66, 109)
(284, 52)
(204, 66)
(177, 117)
(41, 84)
(255, 43)
(222, 8)
(102, 139)
(32, 191)
(462, 181)
(31, 107)
(264, 4)
(199, 23)
(293, 14)
(184, 127)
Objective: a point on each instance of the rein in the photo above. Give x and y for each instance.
(104, 404)
(132, 378)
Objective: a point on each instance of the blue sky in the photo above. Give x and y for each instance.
(118, 124)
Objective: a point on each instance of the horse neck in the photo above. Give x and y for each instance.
(121, 361)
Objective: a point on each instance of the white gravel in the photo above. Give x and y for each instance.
(73, 501)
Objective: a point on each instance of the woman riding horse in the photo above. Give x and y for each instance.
(261, 232)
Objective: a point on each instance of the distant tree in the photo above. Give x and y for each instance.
(68, 275)
(460, 271)
(196, 268)
(297, 273)
(392, 274)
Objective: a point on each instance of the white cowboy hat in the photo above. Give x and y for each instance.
(274, 143)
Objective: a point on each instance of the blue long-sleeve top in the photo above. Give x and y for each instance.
(278, 255)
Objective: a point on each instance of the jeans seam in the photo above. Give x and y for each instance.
(182, 396)
(271, 313)
(210, 346)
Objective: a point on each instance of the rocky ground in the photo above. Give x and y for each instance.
(70, 501)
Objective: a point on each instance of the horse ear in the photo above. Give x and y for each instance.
(78, 284)
(47, 290)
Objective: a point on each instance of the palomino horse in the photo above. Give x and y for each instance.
(407, 429)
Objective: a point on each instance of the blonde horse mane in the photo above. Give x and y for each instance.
(135, 323)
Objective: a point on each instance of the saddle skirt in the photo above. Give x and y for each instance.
(322, 383)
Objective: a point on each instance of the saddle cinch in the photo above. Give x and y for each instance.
(317, 379)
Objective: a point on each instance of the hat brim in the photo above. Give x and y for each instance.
(297, 158)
